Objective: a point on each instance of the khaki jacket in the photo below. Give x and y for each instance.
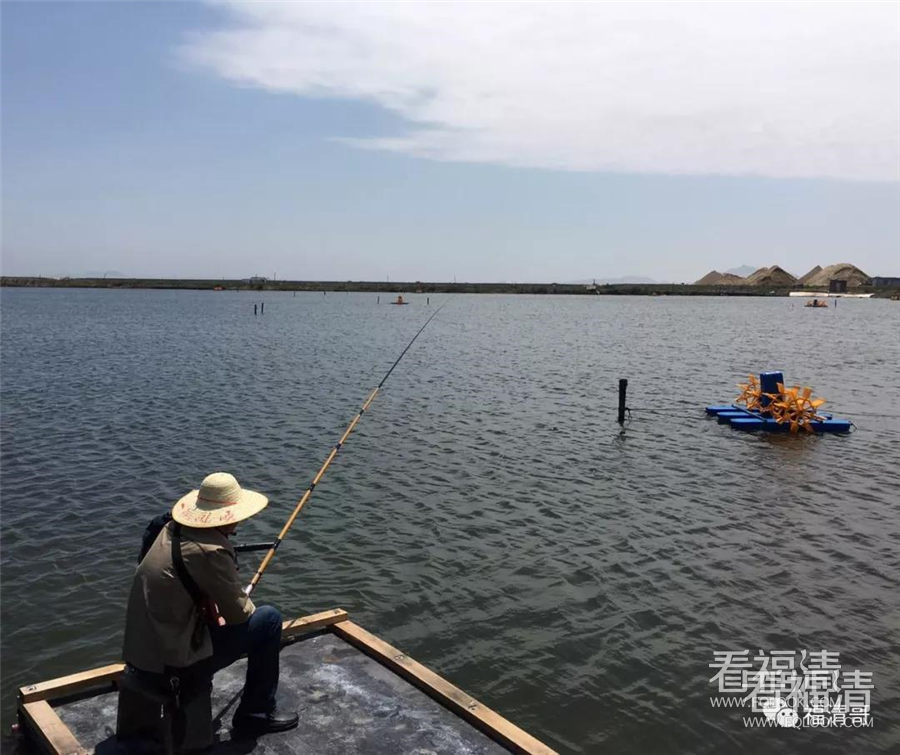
(161, 614)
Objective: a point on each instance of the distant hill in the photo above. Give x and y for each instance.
(626, 279)
(102, 274)
(742, 272)
(623, 279)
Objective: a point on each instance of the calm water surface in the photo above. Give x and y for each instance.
(488, 516)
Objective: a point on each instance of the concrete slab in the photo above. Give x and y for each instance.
(348, 703)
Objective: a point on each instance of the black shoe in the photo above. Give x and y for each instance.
(264, 723)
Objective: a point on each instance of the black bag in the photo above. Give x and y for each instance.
(152, 532)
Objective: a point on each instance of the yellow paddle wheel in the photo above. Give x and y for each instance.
(794, 406)
(751, 393)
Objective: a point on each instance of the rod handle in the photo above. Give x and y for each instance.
(247, 547)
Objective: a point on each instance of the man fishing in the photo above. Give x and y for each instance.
(188, 615)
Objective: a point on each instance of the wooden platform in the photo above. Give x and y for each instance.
(353, 691)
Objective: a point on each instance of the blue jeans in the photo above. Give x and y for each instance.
(259, 638)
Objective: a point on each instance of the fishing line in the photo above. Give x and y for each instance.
(334, 452)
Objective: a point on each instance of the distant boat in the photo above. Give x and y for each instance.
(399, 301)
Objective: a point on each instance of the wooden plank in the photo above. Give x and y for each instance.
(53, 734)
(293, 627)
(465, 706)
(65, 685)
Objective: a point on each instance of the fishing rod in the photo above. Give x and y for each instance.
(334, 452)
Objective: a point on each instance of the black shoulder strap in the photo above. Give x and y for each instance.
(181, 569)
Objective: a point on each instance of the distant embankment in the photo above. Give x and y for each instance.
(645, 289)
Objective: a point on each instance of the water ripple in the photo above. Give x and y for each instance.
(488, 516)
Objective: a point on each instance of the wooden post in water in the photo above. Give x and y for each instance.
(262, 308)
(379, 300)
(254, 309)
(623, 387)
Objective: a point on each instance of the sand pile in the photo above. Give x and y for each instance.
(841, 271)
(715, 278)
(812, 273)
(777, 277)
(771, 276)
(711, 278)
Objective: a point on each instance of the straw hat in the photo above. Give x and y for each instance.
(220, 501)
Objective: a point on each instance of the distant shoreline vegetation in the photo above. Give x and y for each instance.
(421, 287)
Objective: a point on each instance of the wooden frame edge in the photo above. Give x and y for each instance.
(439, 689)
(49, 728)
(65, 685)
(303, 624)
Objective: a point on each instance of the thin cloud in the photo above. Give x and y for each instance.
(783, 90)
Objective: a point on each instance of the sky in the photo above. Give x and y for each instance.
(529, 142)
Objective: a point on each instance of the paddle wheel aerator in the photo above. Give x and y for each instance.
(766, 404)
